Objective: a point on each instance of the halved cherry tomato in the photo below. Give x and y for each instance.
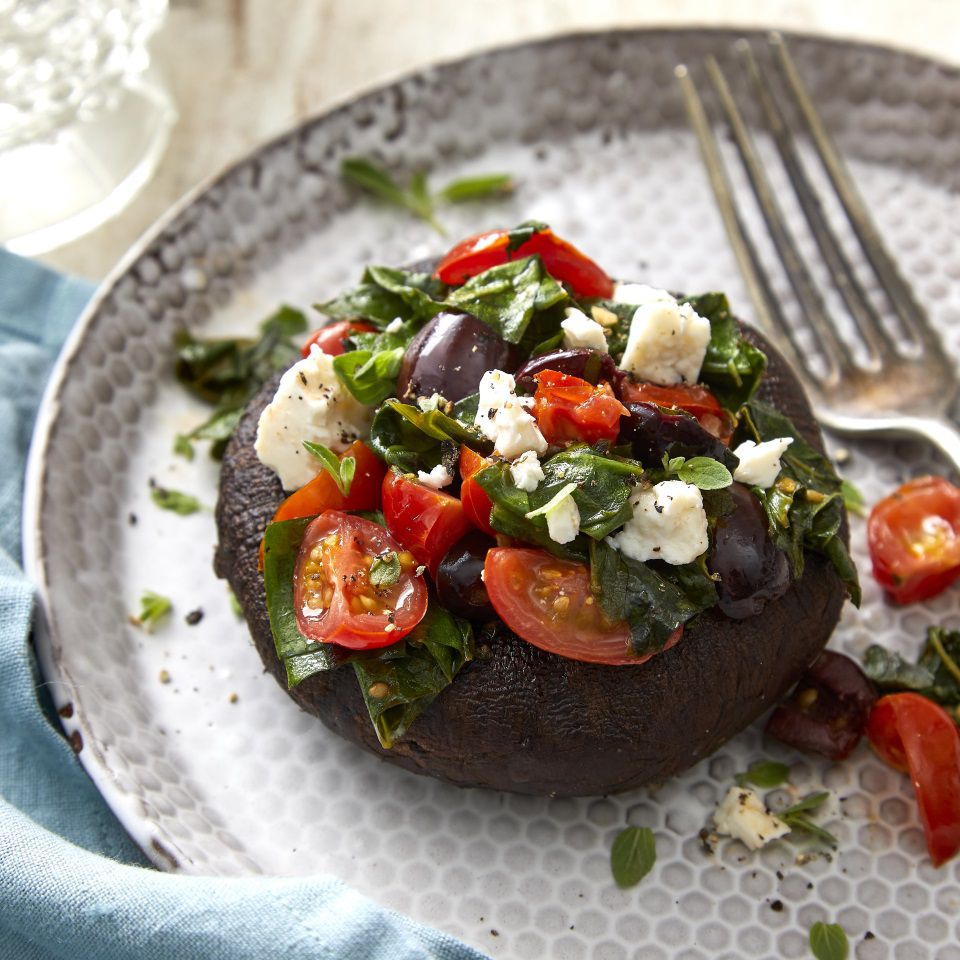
(427, 522)
(917, 736)
(321, 493)
(914, 539)
(568, 408)
(476, 503)
(562, 260)
(330, 338)
(332, 594)
(697, 400)
(548, 602)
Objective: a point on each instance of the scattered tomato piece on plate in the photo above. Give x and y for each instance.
(914, 539)
(330, 338)
(917, 736)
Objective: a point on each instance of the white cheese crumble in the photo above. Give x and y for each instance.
(667, 340)
(310, 404)
(760, 462)
(437, 478)
(394, 326)
(742, 814)
(668, 523)
(639, 293)
(562, 515)
(580, 331)
(502, 417)
(527, 472)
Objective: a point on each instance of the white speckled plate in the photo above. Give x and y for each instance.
(216, 770)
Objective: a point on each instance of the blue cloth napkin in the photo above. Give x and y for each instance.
(72, 884)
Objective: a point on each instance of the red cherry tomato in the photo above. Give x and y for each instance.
(562, 260)
(548, 602)
(917, 736)
(914, 539)
(427, 522)
(697, 400)
(330, 338)
(332, 594)
(568, 408)
(476, 503)
(321, 493)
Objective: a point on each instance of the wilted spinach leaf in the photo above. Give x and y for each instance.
(386, 293)
(228, 372)
(805, 506)
(936, 674)
(654, 598)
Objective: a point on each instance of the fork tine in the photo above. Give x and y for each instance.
(865, 316)
(811, 303)
(765, 302)
(911, 314)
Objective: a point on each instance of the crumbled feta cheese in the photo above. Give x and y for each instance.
(743, 815)
(667, 340)
(433, 402)
(516, 432)
(760, 462)
(580, 331)
(394, 326)
(437, 478)
(563, 520)
(310, 404)
(639, 293)
(668, 523)
(526, 471)
(496, 391)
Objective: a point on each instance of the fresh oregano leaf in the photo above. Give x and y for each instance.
(385, 570)
(828, 941)
(765, 774)
(174, 500)
(154, 609)
(368, 176)
(705, 473)
(795, 818)
(342, 471)
(632, 855)
(477, 188)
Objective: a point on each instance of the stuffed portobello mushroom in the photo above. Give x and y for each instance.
(511, 524)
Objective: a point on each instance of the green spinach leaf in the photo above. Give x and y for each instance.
(385, 294)
(732, 368)
(226, 373)
(508, 298)
(654, 598)
(936, 674)
(805, 506)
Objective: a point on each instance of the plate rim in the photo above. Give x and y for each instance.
(136, 822)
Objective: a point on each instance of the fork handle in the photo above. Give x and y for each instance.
(941, 432)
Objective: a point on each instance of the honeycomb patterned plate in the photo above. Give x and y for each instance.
(208, 763)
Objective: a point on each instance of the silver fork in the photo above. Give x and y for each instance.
(896, 391)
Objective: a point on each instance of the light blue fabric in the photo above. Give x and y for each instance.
(72, 884)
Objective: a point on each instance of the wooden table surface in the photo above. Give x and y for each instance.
(243, 70)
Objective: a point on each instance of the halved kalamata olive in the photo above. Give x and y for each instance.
(589, 365)
(752, 570)
(450, 355)
(652, 432)
(828, 710)
(459, 582)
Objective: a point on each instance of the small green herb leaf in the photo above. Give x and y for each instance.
(477, 188)
(794, 817)
(173, 500)
(342, 471)
(853, 498)
(765, 774)
(154, 609)
(632, 856)
(705, 473)
(368, 176)
(828, 941)
(385, 570)
(182, 446)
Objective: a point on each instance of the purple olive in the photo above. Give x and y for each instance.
(828, 710)
(450, 355)
(752, 570)
(652, 432)
(460, 577)
(589, 365)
